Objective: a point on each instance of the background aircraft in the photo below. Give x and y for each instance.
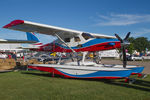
(35, 46)
(16, 41)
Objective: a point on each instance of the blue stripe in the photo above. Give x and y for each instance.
(122, 73)
(137, 69)
(31, 37)
(90, 43)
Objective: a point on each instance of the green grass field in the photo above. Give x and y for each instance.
(35, 85)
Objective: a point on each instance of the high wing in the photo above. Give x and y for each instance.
(27, 26)
(15, 41)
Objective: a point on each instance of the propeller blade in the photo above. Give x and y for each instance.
(119, 38)
(124, 42)
(124, 57)
(127, 36)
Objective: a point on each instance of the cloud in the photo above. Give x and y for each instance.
(142, 32)
(122, 19)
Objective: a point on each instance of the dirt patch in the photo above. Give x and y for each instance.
(6, 64)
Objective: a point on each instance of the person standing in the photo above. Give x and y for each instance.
(14, 56)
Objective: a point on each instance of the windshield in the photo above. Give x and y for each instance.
(87, 36)
(67, 39)
(77, 39)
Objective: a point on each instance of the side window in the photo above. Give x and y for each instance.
(67, 39)
(77, 39)
(87, 36)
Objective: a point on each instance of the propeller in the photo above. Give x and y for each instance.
(124, 43)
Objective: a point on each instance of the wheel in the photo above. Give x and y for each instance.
(131, 80)
(97, 60)
(144, 75)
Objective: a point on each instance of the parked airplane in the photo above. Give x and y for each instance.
(75, 41)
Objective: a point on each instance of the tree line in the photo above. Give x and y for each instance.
(140, 44)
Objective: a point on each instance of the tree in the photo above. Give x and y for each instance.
(148, 46)
(131, 46)
(131, 39)
(141, 43)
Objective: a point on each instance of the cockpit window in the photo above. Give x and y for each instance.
(77, 39)
(87, 36)
(67, 39)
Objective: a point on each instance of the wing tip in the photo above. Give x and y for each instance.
(14, 23)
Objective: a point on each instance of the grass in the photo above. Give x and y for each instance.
(35, 85)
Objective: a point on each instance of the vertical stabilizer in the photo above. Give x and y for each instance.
(32, 37)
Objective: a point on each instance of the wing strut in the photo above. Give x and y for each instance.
(78, 61)
(64, 42)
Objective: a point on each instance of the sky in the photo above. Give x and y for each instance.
(95, 16)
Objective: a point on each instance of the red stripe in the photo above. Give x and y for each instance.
(139, 74)
(97, 47)
(33, 33)
(54, 71)
(38, 44)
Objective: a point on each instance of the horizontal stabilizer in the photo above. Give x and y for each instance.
(15, 41)
(27, 47)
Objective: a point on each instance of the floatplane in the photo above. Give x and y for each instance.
(76, 41)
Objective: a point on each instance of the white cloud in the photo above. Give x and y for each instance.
(142, 32)
(122, 19)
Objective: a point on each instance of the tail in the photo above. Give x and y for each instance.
(32, 37)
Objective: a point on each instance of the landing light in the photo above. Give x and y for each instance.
(111, 43)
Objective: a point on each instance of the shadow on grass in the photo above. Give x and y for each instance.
(41, 74)
(20, 67)
(5, 71)
(143, 83)
(138, 84)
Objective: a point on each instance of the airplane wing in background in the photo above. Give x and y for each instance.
(28, 48)
(27, 26)
(15, 41)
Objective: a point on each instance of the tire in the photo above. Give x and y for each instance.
(97, 60)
